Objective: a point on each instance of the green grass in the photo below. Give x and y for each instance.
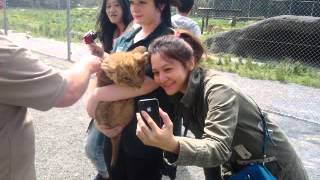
(51, 23)
(219, 25)
(285, 71)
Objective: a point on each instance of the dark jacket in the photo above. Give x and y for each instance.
(222, 117)
(133, 146)
(136, 160)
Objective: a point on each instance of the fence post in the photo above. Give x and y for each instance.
(5, 19)
(249, 8)
(68, 30)
(312, 8)
(290, 7)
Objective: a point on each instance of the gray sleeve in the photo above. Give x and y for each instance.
(196, 30)
(215, 146)
(24, 81)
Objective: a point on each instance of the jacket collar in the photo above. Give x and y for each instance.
(195, 86)
(161, 29)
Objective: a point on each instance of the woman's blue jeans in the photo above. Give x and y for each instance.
(94, 148)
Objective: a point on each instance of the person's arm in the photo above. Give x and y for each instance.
(116, 92)
(161, 137)
(77, 80)
(95, 49)
(214, 148)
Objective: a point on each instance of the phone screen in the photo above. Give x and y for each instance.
(151, 106)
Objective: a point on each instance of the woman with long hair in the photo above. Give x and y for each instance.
(113, 20)
(229, 128)
(136, 161)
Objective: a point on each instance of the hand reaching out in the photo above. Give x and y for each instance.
(96, 50)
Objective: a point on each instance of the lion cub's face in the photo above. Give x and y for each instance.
(126, 68)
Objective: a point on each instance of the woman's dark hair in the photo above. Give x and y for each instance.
(182, 47)
(186, 6)
(105, 29)
(166, 12)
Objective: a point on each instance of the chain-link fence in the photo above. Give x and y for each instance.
(257, 30)
(244, 29)
(64, 20)
(265, 8)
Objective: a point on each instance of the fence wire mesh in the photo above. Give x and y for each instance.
(255, 32)
(258, 30)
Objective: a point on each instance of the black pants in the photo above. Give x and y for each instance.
(132, 168)
(213, 173)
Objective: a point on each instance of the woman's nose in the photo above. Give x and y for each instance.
(162, 77)
(112, 9)
(133, 7)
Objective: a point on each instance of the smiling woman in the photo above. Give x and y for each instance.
(228, 125)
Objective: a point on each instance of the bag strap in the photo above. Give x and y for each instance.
(266, 134)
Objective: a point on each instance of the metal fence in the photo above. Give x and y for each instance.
(68, 20)
(292, 38)
(266, 8)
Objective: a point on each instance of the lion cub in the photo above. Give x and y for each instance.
(127, 69)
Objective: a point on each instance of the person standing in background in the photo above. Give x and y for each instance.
(114, 19)
(181, 19)
(1, 4)
(137, 161)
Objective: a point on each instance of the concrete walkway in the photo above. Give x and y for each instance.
(50, 47)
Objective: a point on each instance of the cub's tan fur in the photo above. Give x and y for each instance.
(127, 69)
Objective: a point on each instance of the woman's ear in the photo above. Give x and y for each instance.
(191, 64)
(162, 6)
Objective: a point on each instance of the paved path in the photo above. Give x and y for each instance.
(60, 132)
(50, 47)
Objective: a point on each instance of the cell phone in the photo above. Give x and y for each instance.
(89, 37)
(151, 106)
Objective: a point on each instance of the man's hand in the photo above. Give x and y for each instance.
(78, 78)
(91, 62)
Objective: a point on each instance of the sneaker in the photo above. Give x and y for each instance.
(100, 177)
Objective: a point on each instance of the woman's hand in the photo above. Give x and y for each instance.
(109, 132)
(154, 136)
(96, 50)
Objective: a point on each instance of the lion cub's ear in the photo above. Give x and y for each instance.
(140, 55)
(139, 49)
(141, 58)
(108, 66)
